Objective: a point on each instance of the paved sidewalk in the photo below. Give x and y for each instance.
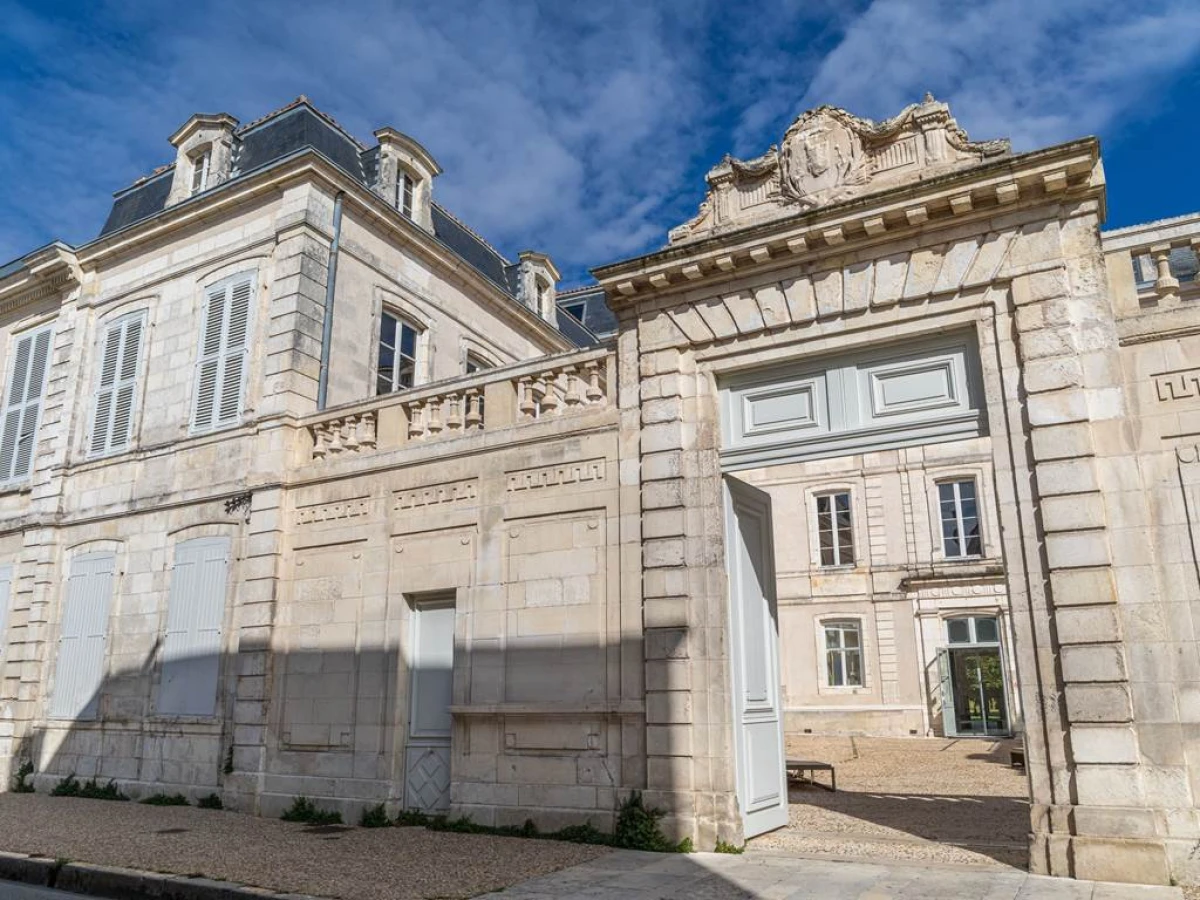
(630, 875)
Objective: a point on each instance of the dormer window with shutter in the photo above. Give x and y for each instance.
(200, 167)
(117, 385)
(224, 354)
(23, 397)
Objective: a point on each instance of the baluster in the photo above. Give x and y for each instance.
(351, 433)
(474, 408)
(594, 394)
(527, 405)
(320, 440)
(454, 419)
(1166, 285)
(434, 406)
(416, 423)
(547, 382)
(368, 431)
(573, 398)
(335, 437)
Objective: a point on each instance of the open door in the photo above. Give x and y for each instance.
(754, 657)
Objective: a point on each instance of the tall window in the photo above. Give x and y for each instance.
(23, 403)
(397, 367)
(116, 385)
(224, 354)
(83, 637)
(404, 193)
(200, 166)
(843, 654)
(835, 530)
(960, 519)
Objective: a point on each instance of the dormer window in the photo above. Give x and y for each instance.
(200, 166)
(404, 193)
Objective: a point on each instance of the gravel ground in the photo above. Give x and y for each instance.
(328, 861)
(914, 799)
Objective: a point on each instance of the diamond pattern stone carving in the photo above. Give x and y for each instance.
(427, 781)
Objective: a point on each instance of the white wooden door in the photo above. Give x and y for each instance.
(431, 686)
(79, 670)
(754, 657)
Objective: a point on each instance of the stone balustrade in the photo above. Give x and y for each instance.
(522, 393)
(1162, 259)
(346, 434)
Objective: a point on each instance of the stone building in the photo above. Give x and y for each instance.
(307, 490)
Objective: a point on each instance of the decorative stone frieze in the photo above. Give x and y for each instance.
(464, 491)
(556, 476)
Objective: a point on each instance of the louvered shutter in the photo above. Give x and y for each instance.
(116, 388)
(6, 578)
(221, 369)
(79, 671)
(22, 404)
(195, 613)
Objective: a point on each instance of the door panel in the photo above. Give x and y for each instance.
(754, 657)
(427, 758)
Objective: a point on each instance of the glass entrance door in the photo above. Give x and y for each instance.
(974, 699)
(977, 686)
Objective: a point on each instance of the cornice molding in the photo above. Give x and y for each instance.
(1070, 171)
(43, 273)
(309, 163)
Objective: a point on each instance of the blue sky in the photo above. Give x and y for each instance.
(582, 128)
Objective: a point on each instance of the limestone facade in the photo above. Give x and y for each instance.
(501, 588)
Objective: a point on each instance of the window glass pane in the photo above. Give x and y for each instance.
(843, 503)
(835, 670)
(850, 635)
(959, 631)
(383, 383)
(833, 638)
(986, 631)
(854, 668)
(966, 490)
(946, 495)
(387, 360)
(387, 330)
(404, 373)
(408, 341)
(823, 504)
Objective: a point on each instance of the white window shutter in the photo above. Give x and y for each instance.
(6, 580)
(22, 404)
(224, 349)
(116, 387)
(195, 614)
(79, 672)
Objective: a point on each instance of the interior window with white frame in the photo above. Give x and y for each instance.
(397, 363)
(843, 653)
(835, 529)
(959, 508)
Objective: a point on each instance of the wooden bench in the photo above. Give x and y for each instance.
(797, 767)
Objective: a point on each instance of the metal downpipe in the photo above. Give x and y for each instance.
(330, 285)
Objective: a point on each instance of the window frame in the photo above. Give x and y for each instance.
(971, 619)
(842, 625)
(406, 189)
(962, 537)
(402, 321)
(830, 496)
(201, 161)
(137, 381)
(8, 480)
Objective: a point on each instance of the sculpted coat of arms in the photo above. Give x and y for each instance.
(820, 155)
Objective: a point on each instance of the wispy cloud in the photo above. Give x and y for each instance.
(581, 129)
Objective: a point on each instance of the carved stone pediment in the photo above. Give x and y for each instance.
(829, 155)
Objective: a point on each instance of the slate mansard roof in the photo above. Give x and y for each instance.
(300, 126)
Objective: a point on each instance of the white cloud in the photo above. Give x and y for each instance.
(1036, 71)
(580, 129)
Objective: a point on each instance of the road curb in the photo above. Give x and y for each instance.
(126, 884)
